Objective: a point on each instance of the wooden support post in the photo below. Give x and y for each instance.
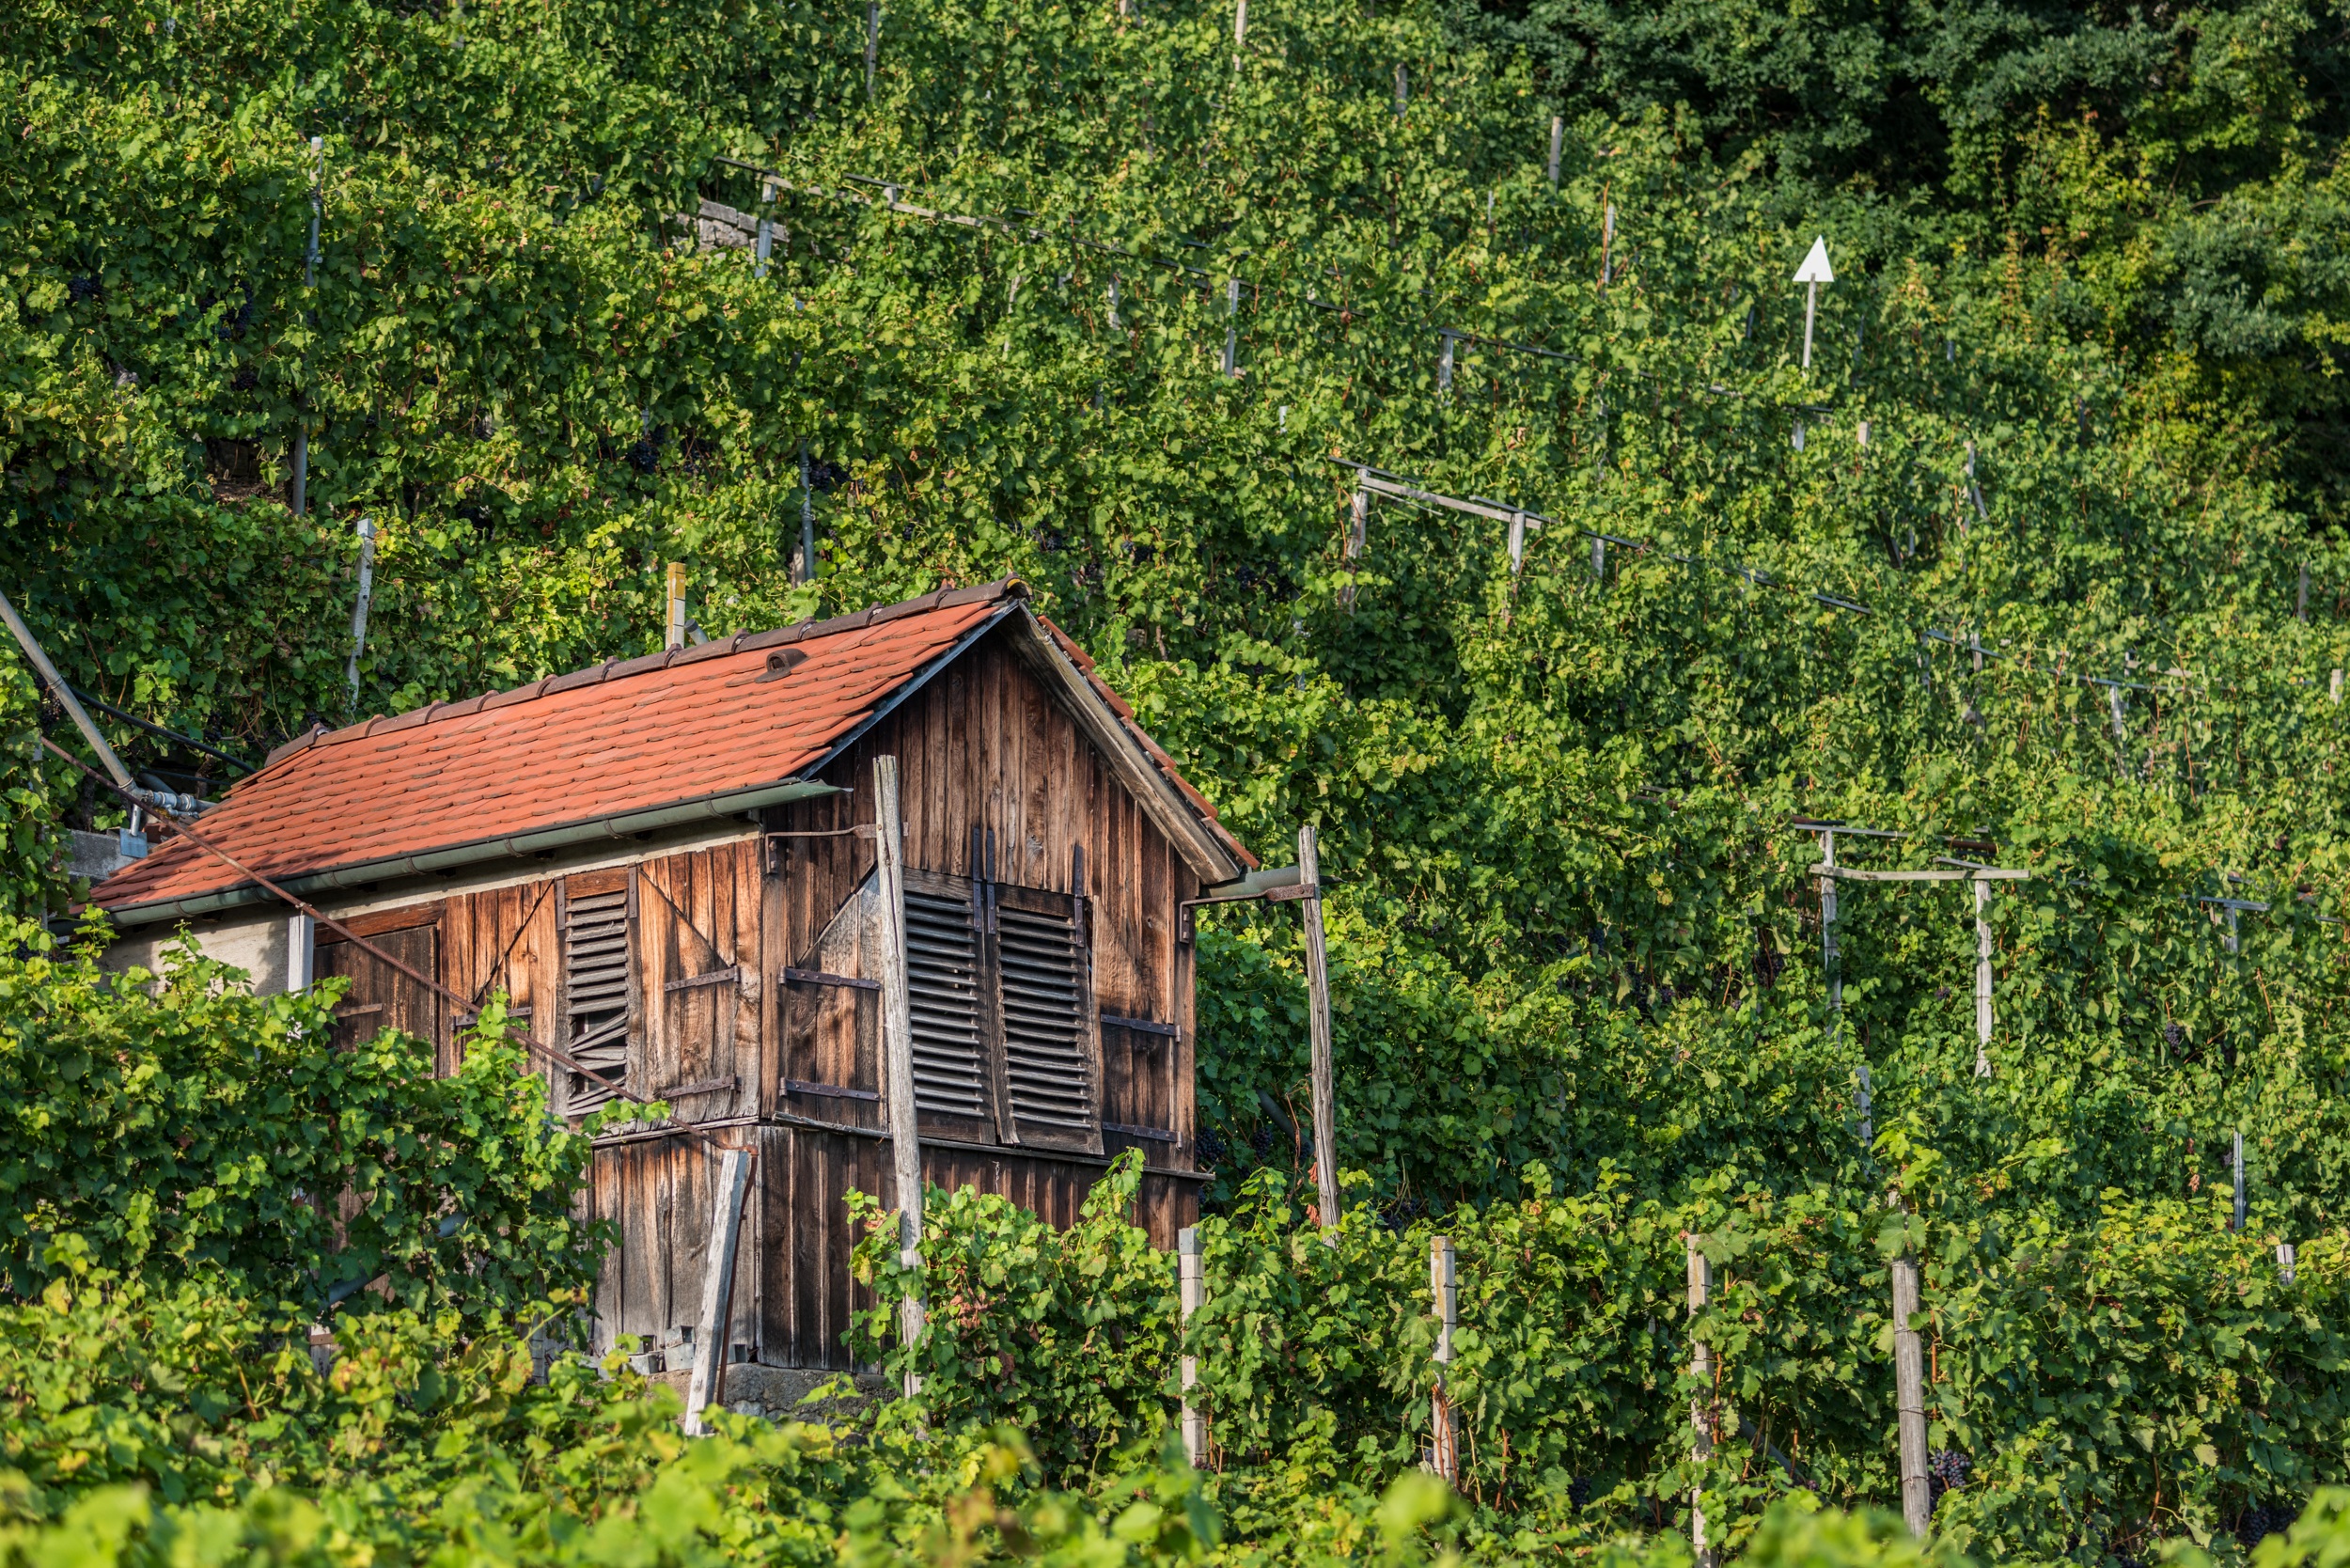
(1830, 965)
(1194, 1291)
(1358, 536)
(1318, 1022)
(1444, 1284)
(359, 605)
(1240, 31)
(1402, 90)
(872, 44)
(673, 630)
(705, 1387)
(301, 484)
(905, 1146)
(2301, 599)
(1558, 130)
(2285, 1263)
(1517, 542)
(1982, 976)
(803, 570)
(1444, 361)
(1231, 326)
(1909, 1378)
(1700, 1403)
(2236, 1224)
(766, 246)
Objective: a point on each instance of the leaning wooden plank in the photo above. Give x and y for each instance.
(898, 1041)
(710, 1330)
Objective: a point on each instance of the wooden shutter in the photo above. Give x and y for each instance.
(945, 993)
(596, 982)
(1047, 1055)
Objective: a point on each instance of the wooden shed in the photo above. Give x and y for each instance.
(657, 860)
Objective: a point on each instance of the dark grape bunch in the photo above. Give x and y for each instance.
(1579, 1490)
(2261, 1520)
(1946, 1470)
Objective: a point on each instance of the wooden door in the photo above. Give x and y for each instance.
(380, 996)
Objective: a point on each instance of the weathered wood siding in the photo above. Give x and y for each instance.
(791, 1063)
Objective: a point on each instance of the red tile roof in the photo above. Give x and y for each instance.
(574, 748)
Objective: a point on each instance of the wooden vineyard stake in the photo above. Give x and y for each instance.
(309, 280)
(1318, 1021)
(1231, 326)
(1358, 536)
(1558, 130)
(673, 623)
(1700, 1406)
(898, 1043)
(2285, 1263)
(1828, 956)
(872, 44)
(1240, 31)
(2236, 1223)
(1909, 1374)
(1444, 360)
(1444, 1284)
(1982, 976)
(704, 1387)
(359, 611)
(766, 245)
(1194, 1289)
(803, 568)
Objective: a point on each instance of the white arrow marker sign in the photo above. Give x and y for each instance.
(1814, 272)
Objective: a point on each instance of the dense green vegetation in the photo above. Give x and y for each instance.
(2073, 401)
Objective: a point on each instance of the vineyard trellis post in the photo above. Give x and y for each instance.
(1982, 976)
(2236, 1221)
(359, 610)
(898, 1040)
(872, 44)
(1444, 1284)
(1231, 326)
(766, 245)
(2285, 1263)
(705, 1387)
(1831, 969)
(1192, 1289)
(803, 570)
(1910, 1397)
(1357, 539)
(309, 281)
(1700, 1400)
(1558, 132)
(1318, 1023)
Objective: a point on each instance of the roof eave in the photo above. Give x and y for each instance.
(478, 852)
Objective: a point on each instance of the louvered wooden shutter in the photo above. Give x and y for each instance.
(595, 995)
(1040, 972)
(943, 990)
